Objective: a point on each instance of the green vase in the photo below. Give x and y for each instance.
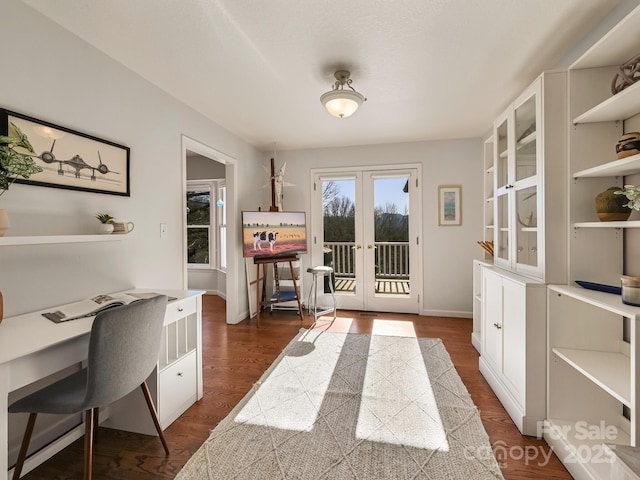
(611, 207)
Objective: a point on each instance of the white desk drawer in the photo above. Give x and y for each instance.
(178, 388)
(180, 308)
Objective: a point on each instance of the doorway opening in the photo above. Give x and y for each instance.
(208, 202)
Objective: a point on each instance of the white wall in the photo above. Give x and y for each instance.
(50, 74)
(447, 251)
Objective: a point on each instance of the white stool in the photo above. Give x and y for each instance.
(320, 271)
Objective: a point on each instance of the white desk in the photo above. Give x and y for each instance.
(32, 347)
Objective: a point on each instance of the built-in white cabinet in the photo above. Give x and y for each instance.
(513, 354)
(176, 383)
(529, 199)
(528, 225)
(476, 333)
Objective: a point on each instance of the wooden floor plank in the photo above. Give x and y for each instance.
(234, 358)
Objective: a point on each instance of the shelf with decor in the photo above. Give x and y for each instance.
(592, 336)
(52, 239)
(620, 106)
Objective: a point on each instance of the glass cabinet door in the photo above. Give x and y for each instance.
(516, 186)
(501, 251)
(525, 127)
(527, 226)
(525, 181)
(503, 138)
(502, 154)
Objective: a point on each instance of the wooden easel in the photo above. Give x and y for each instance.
(261, 300)
(261, 295)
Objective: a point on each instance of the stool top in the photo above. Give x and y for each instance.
(320, 270)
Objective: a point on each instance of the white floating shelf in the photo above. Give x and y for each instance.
(604, 300)
(615, 47)
(611, 371)
(627, 224)
(529, 229)
(621, 106)
(617, 168)
(51, 239)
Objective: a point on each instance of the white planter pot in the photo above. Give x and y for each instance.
(105, 228)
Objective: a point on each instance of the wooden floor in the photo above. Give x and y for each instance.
(235, 356)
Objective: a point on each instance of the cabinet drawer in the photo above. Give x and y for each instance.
(178, 388)
(180, 309)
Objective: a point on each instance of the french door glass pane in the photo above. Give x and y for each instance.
(338, 207)
(391, 235)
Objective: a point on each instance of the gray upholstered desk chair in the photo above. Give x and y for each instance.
(123, 351)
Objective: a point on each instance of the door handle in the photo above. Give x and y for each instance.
(370, 247)
(357, 247)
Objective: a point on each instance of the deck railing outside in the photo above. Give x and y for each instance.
(392, 259)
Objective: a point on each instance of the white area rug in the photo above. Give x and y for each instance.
(339, 406)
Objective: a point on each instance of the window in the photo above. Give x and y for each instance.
(206, 224)
(221, 203)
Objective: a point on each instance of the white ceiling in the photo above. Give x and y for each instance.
(431, 69)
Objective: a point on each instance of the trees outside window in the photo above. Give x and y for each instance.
(206, 224)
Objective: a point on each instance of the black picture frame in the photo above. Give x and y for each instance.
(70, 159)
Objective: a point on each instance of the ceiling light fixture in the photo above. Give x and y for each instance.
(340, 102)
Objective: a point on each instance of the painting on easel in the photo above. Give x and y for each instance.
(271, 234)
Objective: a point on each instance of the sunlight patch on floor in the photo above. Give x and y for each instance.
(393, 328)
(398, 404)
(292, 394)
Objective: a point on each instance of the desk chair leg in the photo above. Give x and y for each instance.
(88, 443)
(22, 455)
(154, 415)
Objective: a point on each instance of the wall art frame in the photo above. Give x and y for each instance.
(70, 159)
(449, 205)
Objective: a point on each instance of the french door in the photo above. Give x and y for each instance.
(366, 224)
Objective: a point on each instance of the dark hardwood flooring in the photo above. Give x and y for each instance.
(234, 358)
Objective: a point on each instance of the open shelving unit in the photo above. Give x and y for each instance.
(593, 364)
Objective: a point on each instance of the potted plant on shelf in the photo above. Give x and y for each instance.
(632, 193)
(106, 223)
(16, 160)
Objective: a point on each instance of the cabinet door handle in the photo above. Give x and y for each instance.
(181, 374)
(497, 325)
(180, 309)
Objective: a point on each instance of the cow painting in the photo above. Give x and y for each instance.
(263, 236)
